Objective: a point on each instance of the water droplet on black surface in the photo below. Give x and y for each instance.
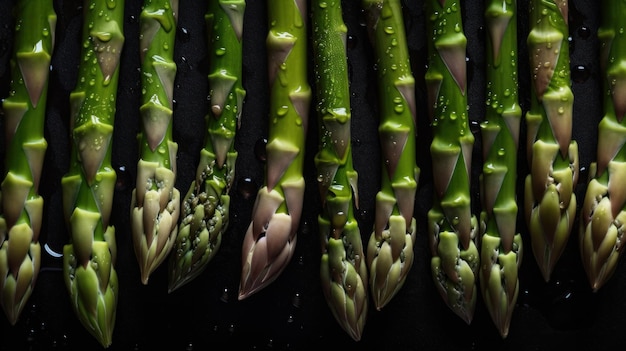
(580, 73)
(183, 34)
(132, 19)
(246, 187)
(225, 296)
(296, 301)
(584, 32)
(259, 149)
(583, 175)
(123, 179)
(475, 126)
(352, 41)
(363, 214)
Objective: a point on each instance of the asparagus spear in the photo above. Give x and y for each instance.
(451, 225)
(21, 206)
(501, 244)
(603, 212)
(550, 202)
(270, 240)
(206, 205)
(88, 187)
(343, 270)
(155, 202)
(390, 247)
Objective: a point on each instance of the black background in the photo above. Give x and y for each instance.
(291, 313)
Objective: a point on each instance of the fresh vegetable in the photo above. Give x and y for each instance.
(500, 242)
(206, 205)
(390, 247)
(603, 213)
(88, 187)
(270, 240)
(452, 226)
(343, 269)
(155, 202)
(21, 206)
(550, 201)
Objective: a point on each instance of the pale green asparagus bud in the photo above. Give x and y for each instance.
(88, 187)
(603, 213)
(550, 201)
(343, 270)
(21, 206)
(451, 225)
(206, 205)
(501, 243)
(390, 247)
(155, 202)
(270, 240)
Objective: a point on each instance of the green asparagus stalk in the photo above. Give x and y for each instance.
(390, 247)
(343, 270)
(550, 201)
(452, 227)
(88, 187)
(270, 240)
(603, 213)
(155, 202)
(21, 206)
(206, 205)
(500, 243)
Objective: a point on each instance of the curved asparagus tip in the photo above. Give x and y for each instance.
(451, 225)
(271, 237)
(155, 202)
(501, 244)
(603, 214)
(550, 201)
(269, 242)
(21, 206)
(390, 248)
(206, 205)
(92, 282)
(343, 269)
(88, 187)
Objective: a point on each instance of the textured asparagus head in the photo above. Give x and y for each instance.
(88, 187)
(206, 206)
(343, 270)
(601, 233)
(390, 248)
(451, 225)
(500, 243)
(550, 202)
(271, 236)
(21, 206)
(155, 202)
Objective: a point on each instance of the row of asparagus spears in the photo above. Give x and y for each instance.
(467, 251)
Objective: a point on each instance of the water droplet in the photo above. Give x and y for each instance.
(297, 300)
(351, 41)
(580, 73)
(183, 34)
(122, 180)
(584, 32)
(259, 149)
(246, 187)
(224, 297)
